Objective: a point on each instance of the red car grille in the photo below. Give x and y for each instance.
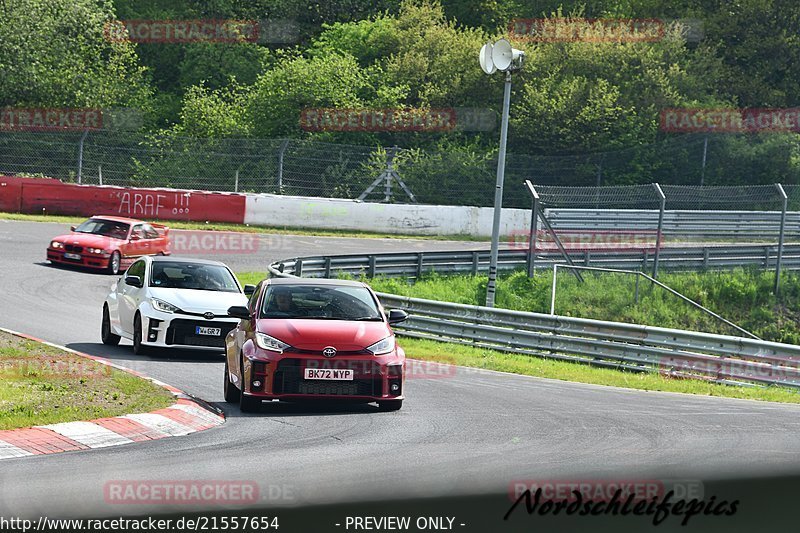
(288, 379)
(73, 248)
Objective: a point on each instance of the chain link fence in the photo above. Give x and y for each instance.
(459, 176)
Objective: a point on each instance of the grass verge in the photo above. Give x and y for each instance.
(222, 226)
(40, 384)
(469, 356)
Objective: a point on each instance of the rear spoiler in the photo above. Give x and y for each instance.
(161, 228)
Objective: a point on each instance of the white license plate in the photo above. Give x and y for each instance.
(329, 374)
(72, 256)
(202, 330)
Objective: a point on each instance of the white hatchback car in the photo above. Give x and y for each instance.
(170, 302)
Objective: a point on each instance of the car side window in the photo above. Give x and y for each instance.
(136, 269)
(139, 231)
(149, 232)
(252, 304)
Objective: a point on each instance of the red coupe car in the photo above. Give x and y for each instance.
(314, 339)
(109, 243)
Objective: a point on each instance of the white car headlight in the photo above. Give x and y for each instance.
(57, 245)
(161, 305)
(383, 346)
(272, 344)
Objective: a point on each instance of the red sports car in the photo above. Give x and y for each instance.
(110, 243)
(314, 339)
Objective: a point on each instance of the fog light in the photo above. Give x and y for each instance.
(152, 336)
(395, 387)
(256, 383)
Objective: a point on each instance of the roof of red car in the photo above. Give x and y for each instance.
(119, 219)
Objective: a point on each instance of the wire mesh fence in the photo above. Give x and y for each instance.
(456, 176)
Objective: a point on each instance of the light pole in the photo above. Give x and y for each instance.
(493, 57)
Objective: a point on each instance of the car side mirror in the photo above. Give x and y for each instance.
(239, 311)
(72, 228)
(396, 316)
(249, 290)
(134, 281)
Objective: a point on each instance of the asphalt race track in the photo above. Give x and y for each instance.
(469, 433)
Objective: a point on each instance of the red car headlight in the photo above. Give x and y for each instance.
(57, 245)
(383, 346)
(272, 344)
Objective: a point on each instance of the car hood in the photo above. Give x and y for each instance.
(312, 334)
(89, 240)
(195, 301)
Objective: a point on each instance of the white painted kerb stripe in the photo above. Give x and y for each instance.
(161, 423)
(9, 450)
(204, 416)
(89, 434)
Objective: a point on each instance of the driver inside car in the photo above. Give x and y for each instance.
(283, 303)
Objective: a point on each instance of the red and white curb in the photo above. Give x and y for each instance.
(187, 415)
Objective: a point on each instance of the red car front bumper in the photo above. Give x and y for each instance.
(86, 260)
(282, 376)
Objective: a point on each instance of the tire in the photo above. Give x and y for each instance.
(108, 338)
(249, 404)
(138, 347)
(232, 393)
(114, 263)
(390, 405)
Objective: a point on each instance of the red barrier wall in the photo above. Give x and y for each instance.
(50, 196)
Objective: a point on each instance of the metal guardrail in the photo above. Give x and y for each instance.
(415, 264)
(720, 358)
(702, 224)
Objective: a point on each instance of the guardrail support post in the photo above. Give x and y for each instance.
(553, 290)
(475, 259)
(780, 238)
(284, 145)
(371, 271)
(419, 265)
(663, 200)
(705, 258)
(328, 267)
(80, 155)
(534, 232)
(298, 268)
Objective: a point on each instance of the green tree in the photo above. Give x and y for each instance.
(54, 53)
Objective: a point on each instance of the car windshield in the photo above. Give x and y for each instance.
(320, 302)
(196, 276)
(107, 228)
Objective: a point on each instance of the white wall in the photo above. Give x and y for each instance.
(334, 213)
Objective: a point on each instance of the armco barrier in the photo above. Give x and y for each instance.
(50, 196)
(414, 264)
(678, 353)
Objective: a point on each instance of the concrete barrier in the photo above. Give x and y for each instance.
(337, 213)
